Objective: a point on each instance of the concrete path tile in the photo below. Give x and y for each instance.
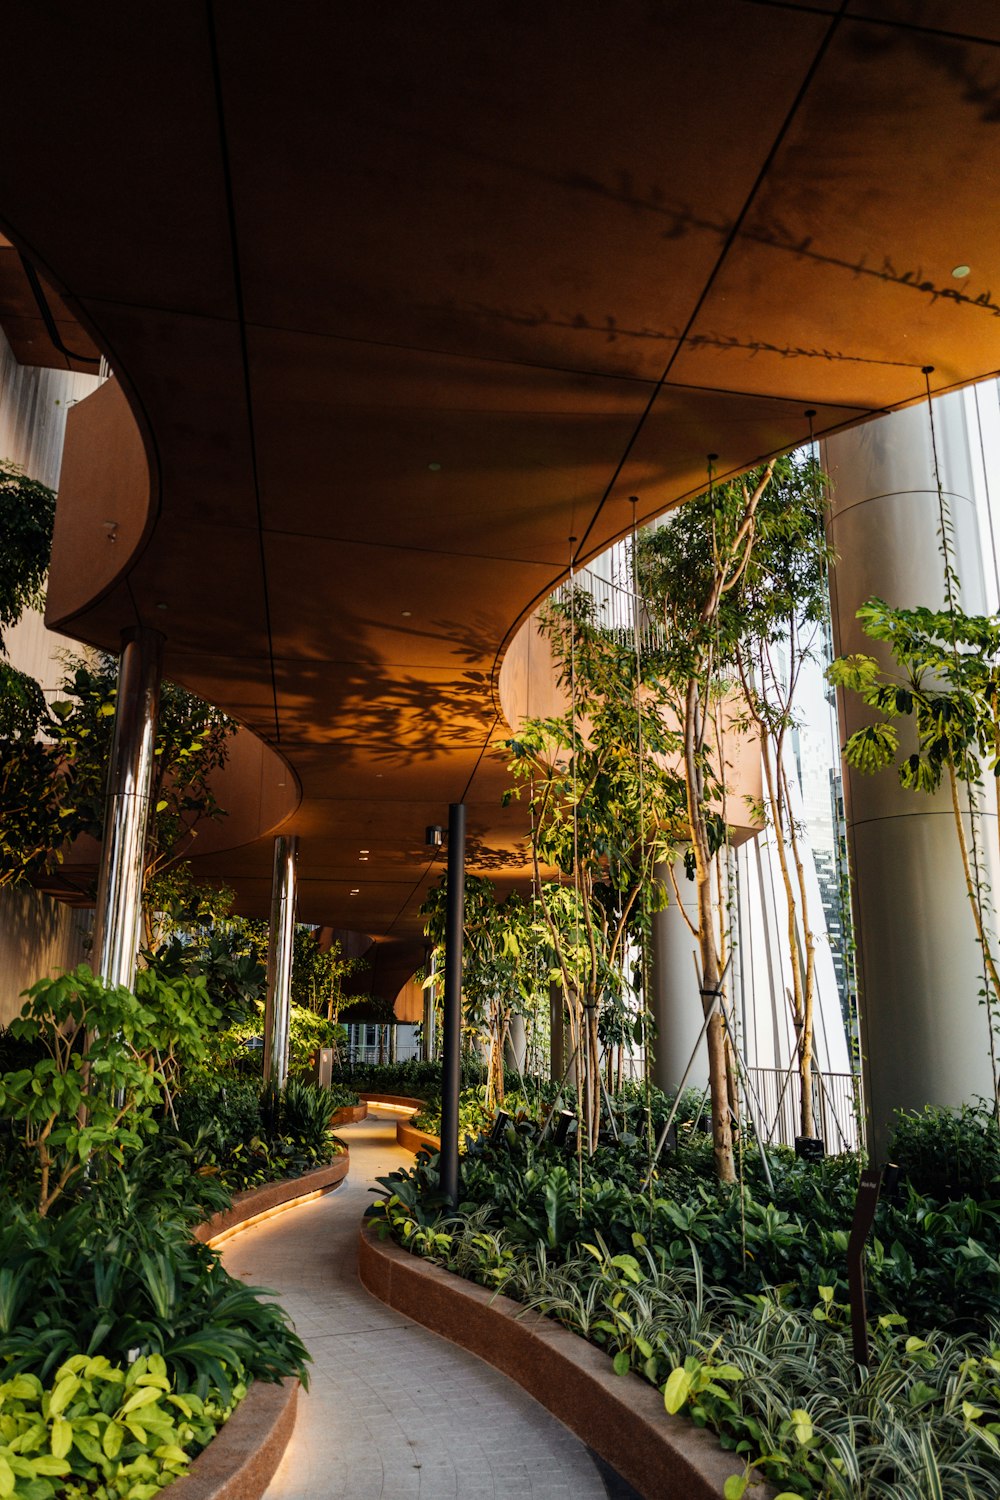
(394, 1412)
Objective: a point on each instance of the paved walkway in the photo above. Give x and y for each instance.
(393, 1411)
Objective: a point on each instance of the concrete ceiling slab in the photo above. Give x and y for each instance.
(402, 300)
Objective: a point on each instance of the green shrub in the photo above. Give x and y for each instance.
(776, 1382)
(417, 1079)
(307, 1033)
(90, 1091)
(938, 1264)
(101, 1428)
(948, 1154)
(96, 1254)
(166, 1182)
(93, 1282)
(474, 1117)
(223, 1114)
(254, 1135)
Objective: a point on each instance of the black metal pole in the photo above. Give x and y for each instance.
(451, 1070)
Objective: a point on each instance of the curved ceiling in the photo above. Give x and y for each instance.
(403, 298)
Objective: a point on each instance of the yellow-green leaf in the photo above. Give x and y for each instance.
(62, 1437)
(734, 1487)
(23, 1388)
(675, 1392)
(112, 1440)
(63, 1394)
(171, 1454)
(46, 1464)
(144, 1395)
(802, 1425)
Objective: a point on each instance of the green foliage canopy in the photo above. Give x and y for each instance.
(52, 789)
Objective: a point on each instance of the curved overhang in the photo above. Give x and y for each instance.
(403, 300)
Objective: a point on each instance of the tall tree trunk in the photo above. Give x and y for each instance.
(591, 1092)
(497, 1024)
(718, 1068)
(807, 962)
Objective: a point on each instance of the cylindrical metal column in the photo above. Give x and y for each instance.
(280, 947)
(515, 1049)
(451, 1069)
(674, 999)
(118, 920)
(923, 1029)
(428, 1040)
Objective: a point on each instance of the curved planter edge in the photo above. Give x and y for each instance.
(349, 1114)
(240, 1461)
(399, 1101)
(412, 1139)
(407, 1135)
(621, 1417)
(256, 1201)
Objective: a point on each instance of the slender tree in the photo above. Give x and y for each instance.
(781, 607)
(689, 569)
(497, 979)
(605, 807)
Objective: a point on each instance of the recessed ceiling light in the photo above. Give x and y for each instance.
(364, 851)
(434, 468)
(406, 613)
(161, 606)
(960, 271)
(356, 891)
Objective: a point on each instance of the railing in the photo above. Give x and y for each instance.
(365, 1045)
(835, 1107)
(617, 606)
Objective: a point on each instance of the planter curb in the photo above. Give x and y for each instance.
(349, 1114)
(240, 1461)
(272, 1195)
(407, 1135)
(621, 1417)
(412, 1139)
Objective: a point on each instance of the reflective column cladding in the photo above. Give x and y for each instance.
(924, 1030)
(281, 940)
(118, 922)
